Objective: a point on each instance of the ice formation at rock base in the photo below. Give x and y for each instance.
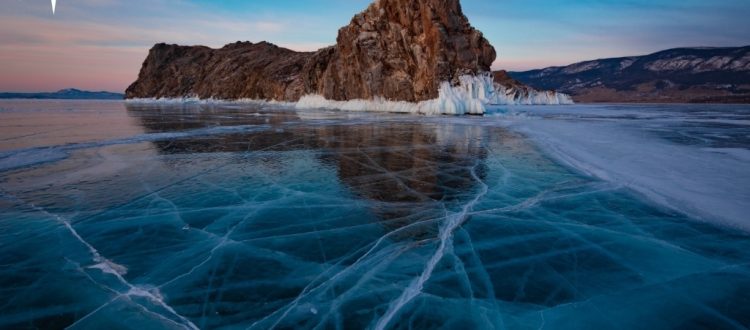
(470, 96)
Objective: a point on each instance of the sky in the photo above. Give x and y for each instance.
(101, 44)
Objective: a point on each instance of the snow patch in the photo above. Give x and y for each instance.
(626, 63)
(712, 188)
(675, 64)
(580, 67)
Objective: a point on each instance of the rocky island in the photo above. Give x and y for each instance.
(397, 55)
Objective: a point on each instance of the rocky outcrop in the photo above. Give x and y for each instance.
(396, 49)
(419, 56)
(240, 70)
(715, 75)
(402, 50)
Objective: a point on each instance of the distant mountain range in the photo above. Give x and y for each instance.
(65, 94)
(689, 75)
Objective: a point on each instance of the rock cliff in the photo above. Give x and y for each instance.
(240, 70)
(402, 50)
(395, 50)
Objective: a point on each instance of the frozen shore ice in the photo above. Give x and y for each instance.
(471, 96)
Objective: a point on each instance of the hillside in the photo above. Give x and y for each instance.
(689, 75)
(65, 94)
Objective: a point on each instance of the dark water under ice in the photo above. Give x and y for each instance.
(252, 217)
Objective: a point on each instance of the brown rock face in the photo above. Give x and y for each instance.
(240, 70)
(396, 49)
(403, 49)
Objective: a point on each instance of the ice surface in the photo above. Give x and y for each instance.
(686, 158)
(10, 160)
(472, 95)
(240, 216)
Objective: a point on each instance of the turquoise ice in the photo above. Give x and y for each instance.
(257, 217)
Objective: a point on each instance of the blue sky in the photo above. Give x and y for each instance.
(100, 44)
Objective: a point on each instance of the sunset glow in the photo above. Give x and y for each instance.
(101, 44)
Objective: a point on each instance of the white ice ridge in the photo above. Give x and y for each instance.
(513, 96)
(471, 96)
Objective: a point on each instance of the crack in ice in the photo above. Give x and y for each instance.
(108, 267)
(452, 222)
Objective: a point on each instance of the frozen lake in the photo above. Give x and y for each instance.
(238, 216)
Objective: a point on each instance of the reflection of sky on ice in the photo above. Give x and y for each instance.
(246, 217)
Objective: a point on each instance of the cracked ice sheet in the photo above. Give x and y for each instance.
(345, 221)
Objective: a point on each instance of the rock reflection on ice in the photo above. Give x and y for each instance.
(332, 220)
